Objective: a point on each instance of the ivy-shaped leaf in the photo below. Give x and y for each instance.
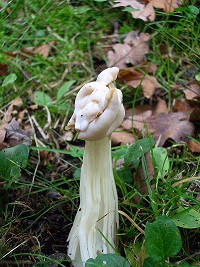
(12, 159)
(162, 238)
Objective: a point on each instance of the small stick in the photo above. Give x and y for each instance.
(132, 221)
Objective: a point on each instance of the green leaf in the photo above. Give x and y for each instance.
(119, 153)
(81, 10)
(162, 238)
(108, 260)
(161, 161)
(64, 89)
(9, 79)
(42, 99)
(194, 9)
(187, 218)
(137, 150)
(150, 262)
(197, 77)
(12, 159)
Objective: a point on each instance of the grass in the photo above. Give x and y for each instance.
(80, 34)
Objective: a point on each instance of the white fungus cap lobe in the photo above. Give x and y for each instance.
(98, 107)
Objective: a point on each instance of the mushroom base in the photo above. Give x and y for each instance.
(96, 222)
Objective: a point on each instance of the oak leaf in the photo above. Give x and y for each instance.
(193, 146)
(148, 83)
(132, 51)
(17, 102)
(166, 5)
(2, 133)
(15, 135)
(44, 49)
(122, 138)
(192, 91)
(135, 78)
(140, 10)
(137, 121)
(172, 125)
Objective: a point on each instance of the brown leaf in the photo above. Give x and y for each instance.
(133, 50)
(166, 5)
(192, 107)
(181, 105)
(161, 106)
(142, 113)
(15, 135)
(135, 78)
(148, 84)
(172, 125)
(147, 67)
(193, 91)
(142, 11)
(17, 102)
(44, 49)
(138, 110)
(193, 146)
(128, 74)
(122, 138)
(195, 115)
(29, 51)
(137, 122)
(2, 133)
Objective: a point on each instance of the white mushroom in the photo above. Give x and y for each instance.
(98, 112)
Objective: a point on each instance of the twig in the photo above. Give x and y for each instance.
(48, 118)
(190, 179)
(38, 127)
(132, 221)
(38, 162)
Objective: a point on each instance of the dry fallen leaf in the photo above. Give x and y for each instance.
(2, 133)
(161, 106)
(193, 146)
(137, 122)
(17, 102)
(192, 107)
(133, 50)
(166, 5)
(44, 49)
(148, 83)
(140, 10)
(122, 138)
(193, 91)
(135, 78)
(181, 105)
(142, 113)
(172, 125)
(15, 135)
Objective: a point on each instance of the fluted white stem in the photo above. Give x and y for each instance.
(96, 221)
